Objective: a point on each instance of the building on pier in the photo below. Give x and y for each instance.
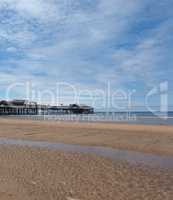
(18, 107)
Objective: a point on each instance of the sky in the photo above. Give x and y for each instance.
(93, 49)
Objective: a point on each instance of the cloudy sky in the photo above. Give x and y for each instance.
(126, 44)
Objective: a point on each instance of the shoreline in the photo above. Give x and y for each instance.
(137, 120)
(155, 139)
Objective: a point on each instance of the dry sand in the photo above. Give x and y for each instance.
(151, 139)
(41, 174)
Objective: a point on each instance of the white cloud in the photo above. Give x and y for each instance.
(97, 25)
(59, 39)
(11, 49)
(120, 8)
(38, 9)
(144, 60)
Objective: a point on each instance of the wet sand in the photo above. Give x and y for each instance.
(156, 139)
(42, 174)
(33, 173)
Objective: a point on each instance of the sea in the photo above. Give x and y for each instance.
(113, 117)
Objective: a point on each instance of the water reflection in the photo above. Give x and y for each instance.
(131, 157)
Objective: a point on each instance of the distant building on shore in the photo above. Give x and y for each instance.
(24, 107)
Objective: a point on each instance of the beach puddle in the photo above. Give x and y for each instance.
(131, 157)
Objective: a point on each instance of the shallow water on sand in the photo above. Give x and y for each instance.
(131, 157)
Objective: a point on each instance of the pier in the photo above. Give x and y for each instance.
(23, 107)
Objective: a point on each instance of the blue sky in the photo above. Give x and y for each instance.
(128, 44)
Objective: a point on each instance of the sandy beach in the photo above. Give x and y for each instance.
(40, 173)
(157, 139)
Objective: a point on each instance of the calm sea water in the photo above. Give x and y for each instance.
(115, 117)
